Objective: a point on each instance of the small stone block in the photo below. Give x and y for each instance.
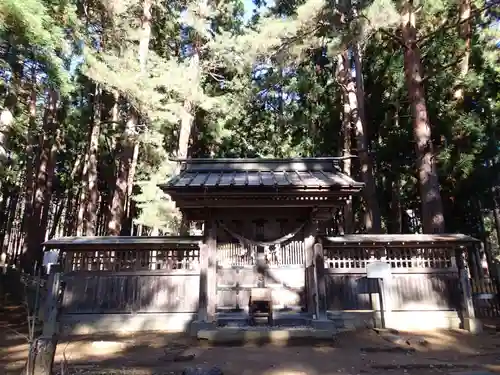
(473, 325)
(394, 339)
(416, 340)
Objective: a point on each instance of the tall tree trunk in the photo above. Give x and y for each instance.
(120, 192)
(372, 218)
(396, 213)
(130, 182)
(30, 156)
(13, 201)
(57, 218)
(126, 170)
(56, 146)
(115, 147)
(145, 34)
(72, 213)
(69, 201)
(186, 126)
(35, 231)
(187, 117)
(4, 211)
(432, 206)
(101, 221)
(92, 194)
(82, 198)
(465, 34)
(344, 79)
(183, 149)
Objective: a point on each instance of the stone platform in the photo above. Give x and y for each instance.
(280, 318)
(265, 334)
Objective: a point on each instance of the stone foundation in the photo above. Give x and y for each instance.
(400, 320)
(83, 324)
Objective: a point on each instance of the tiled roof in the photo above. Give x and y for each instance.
(313, 173)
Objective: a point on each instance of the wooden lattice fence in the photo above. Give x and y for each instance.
(486, 297)
(423, 278)
(125, 281)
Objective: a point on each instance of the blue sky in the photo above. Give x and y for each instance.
(249, 7)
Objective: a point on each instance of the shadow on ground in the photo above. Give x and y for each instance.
(361, 352)
(349, 353)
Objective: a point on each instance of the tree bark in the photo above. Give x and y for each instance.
(130, 181)
(3, 210)
(120, 192)
(41, 357)
(30, 156)
(57, 218)
(11, 214)
(35, 234)
(82, 199)
(115, 146)
(92, 194)
(432, 206)
(66, 204)
(187, 118)
(372, 218)
(343, 77)
(56, 145)
(465, 34)
(126, 170)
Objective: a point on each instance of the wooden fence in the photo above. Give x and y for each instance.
(424, 279)
(486, 297)
(131, 281)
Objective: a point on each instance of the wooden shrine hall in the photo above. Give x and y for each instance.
(264, 258)
(260, 215)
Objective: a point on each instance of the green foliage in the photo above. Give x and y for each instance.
(40, 28)
(263, 88)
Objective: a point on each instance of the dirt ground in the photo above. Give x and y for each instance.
(361, 352)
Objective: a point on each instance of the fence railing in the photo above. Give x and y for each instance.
(485, 294)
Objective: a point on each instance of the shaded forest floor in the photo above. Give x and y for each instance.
(361, 352)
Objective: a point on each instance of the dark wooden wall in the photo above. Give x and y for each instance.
(131, 281)
(130, 292)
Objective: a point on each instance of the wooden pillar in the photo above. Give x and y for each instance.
(319, 262)
(310, 232)
(208, 273)
(202, 299)
(51, 306)
(42, 350)
(470, 323)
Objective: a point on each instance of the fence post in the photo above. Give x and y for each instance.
(45, 346)
(470, 322)
(51, 306)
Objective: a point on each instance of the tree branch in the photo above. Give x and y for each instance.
(444, 67)
(426, 38)
(385, 32)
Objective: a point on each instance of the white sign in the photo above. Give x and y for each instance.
(378, 270)
(49, 258)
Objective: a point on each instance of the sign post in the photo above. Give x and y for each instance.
(382, 272)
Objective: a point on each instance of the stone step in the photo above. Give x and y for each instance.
(287, 319)
(263, 334)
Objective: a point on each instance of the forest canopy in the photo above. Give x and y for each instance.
(99, 96)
